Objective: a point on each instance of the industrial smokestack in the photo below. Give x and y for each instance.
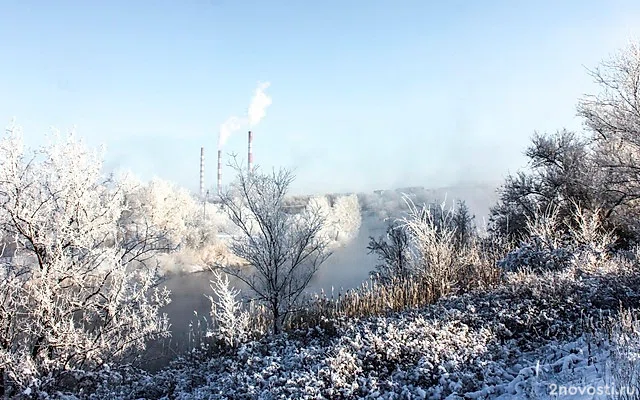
(201, 171)
(219, 171)
(250, 155)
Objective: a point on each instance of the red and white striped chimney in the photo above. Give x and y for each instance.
(219, 171)
(201, 171)
(250, 155)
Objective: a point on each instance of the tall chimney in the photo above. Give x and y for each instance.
(201, 171)
(219, 171)
(250, 156)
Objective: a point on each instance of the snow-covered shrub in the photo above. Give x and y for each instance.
(229, 319)
(534, 255)
(624, 363)
(555, 244)
(547, 248)
(592, 241)
(433, 244)
(70, 296)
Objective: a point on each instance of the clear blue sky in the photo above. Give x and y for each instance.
(366, 94)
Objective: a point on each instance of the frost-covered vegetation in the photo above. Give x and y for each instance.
(546, 298)
(341, 219)
(189, 230)
(76, 290)
(284, 249)
(477, 345)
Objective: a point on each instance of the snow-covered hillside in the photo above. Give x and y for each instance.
(534, 335)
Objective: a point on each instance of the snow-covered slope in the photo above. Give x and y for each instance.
(513, 342)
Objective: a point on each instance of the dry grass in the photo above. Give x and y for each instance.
(438, 268)
(473, 271)
(624, 364)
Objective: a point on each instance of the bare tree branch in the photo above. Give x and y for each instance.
(283, 250)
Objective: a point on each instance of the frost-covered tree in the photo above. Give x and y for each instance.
(342, 218)
(69, 296)
(561, 172)
(346, 216)
(555, 243)
(172, 212)
(612, 116)
(600, 170)
(185, 230)
(283, 249)
(230, 321)
(393, 252)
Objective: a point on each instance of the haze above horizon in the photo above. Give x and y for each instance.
(365, 94)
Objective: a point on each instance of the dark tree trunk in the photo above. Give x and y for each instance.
(2, 388)
(276, 318)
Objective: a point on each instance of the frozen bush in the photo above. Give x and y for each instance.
(535, 256)
(76, 292)
(432, 239)
(555, 244)
(230, 321)
(624, 363)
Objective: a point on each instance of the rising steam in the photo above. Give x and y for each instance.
(257, 110)
(259, 104)
(229, 126)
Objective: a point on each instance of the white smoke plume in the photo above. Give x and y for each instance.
(229, 126)
(257, 110)
(259, 104)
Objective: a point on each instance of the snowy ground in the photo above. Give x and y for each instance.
(514, 342)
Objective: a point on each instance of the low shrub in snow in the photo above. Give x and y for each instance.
(554, 244)
(624, 363)
(230, 321)
(435, 248)
(536, 255)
